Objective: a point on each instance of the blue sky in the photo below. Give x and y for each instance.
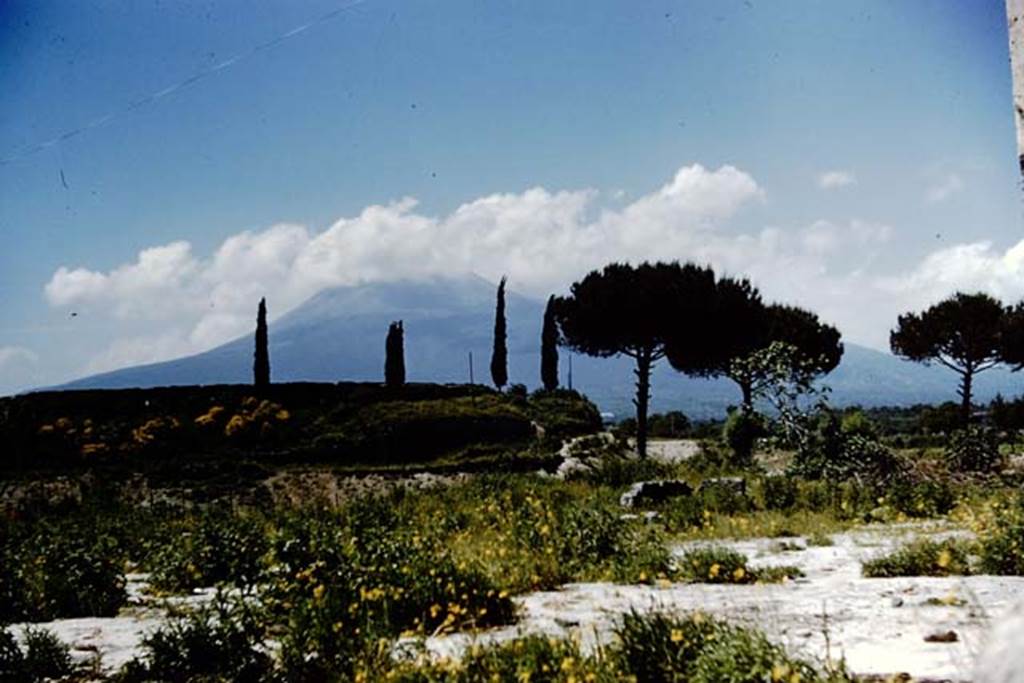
(472, 104)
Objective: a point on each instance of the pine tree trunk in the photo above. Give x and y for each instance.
(643, 395)
(746, 386)
(966, 380)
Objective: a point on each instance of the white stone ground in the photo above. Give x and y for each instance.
(878, 625)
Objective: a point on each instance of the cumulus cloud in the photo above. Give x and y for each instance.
(945, 188)
(830, 180)
(538, 237)
(541, 239)
(978, 266)
(149, 288)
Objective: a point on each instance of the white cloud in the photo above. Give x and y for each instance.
(539, 238)
(830, 180)
(148, 288)
(18, 368)
(942, 190)
(967, 267)
(140, 350)
(15, 355)
(826, 237)
(542, 240)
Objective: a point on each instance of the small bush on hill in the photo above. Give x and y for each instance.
(563, 414)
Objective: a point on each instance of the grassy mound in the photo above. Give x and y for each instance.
(347, 424)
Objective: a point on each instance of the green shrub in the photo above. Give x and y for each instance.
(744, 656)
(220, 546)
(664, 648)
(779, 492)
(1001, 541)
(726, 494)
(830, 453)
(855, 422)
(46, 656)
(563, 414)
(716, 564)
(343, 581)
(930, 498)
(975, 449)
(741, 431)
(820, 539)
(949, 557)
(712, 458)
(659, 647)
(572, 540)
(42, 657)
(60, 571)
(222, 641)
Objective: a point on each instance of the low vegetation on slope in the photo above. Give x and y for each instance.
(357, 425)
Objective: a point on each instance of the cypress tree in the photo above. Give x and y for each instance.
(261, 356)
(394, 355)
(549, 348)
(499, 357)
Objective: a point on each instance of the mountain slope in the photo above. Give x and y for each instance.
(339, 334)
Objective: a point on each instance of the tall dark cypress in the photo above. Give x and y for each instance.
(549, 348)
(261, 356)
(394, 355)
(499, 357)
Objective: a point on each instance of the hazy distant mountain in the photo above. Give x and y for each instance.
(339, 334)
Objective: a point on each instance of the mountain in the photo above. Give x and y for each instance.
(339, 334)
